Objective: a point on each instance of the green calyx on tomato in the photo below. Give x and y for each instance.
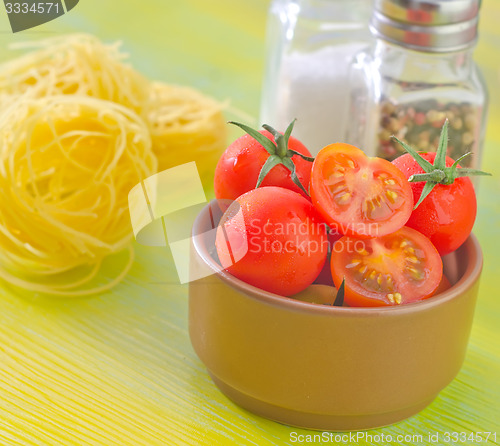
(279, 152)
(437, 173)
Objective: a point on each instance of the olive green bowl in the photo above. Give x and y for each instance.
(323, 367)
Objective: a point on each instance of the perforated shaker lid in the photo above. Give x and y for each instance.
(427, 25)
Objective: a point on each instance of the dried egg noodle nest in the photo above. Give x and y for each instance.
(54, 234)
(185, 125)
(76, 64)
(67, 164)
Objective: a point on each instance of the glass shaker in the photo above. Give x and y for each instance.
(419, 73)
(310, 47)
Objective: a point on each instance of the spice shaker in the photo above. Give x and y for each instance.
(310, 47)
(419, 72)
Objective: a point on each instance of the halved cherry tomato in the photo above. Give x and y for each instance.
(398, 268)
(357, 195)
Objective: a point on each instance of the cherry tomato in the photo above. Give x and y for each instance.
(325, 276)
(274, 239)
(318, 294)
(357, 195)
(448, 213)
(397, 268)
(444, 285)
(238, 168)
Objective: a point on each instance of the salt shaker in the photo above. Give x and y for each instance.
(310, 46)
(419, 73)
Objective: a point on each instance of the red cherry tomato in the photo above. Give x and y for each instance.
(357, 195)
(239, 166)
(444, 285)
(274, 239)
(318, 294)
(325, 276)
(448, 213)
(397, 268)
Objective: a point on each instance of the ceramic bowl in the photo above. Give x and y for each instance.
(323, 367)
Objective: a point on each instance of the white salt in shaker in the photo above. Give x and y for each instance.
(310, 46)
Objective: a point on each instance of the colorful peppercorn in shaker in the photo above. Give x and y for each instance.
(419, 73)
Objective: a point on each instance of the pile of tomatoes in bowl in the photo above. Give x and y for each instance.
(374, 229)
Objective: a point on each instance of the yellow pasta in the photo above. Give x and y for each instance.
(185, 126)
(77, 64)
(78, 129)
(67, 164)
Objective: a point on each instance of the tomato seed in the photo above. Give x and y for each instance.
(353, 264)
(339, 187)
(391, 196)
(345, 198)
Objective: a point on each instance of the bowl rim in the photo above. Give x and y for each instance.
(472, 272)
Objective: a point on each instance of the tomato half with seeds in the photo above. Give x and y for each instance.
(358, 195)
(395, 269)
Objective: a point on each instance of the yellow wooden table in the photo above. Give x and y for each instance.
(118, 369)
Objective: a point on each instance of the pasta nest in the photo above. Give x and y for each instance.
(185, 125)
(67, 164)
(76, 64)
(78, 129)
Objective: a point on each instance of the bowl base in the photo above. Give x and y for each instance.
(316, 421)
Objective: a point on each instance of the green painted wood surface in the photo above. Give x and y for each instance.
(118, 369)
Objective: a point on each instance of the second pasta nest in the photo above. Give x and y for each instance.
(78, 129)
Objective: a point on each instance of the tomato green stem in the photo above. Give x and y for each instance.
(437, 173)
(278, 150)
(436, 176)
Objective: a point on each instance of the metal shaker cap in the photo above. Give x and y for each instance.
(427, 25)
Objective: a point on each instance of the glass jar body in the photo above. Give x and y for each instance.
(310, 48)
(409, 94)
